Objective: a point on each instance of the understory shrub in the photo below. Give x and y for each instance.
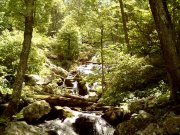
(10, 49)
(130, 74)
(67, 45)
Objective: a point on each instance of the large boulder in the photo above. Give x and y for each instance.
(37, 80)
(114, 116)
(85, 125)
(36, 110)
(153, 129)
(58, 112)
(22, 128)
(137, 105)
(172, 124)
(132, 126)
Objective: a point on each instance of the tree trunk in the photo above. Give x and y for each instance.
(166, 34)
(124, 24)
(102, 61)
(17, 88)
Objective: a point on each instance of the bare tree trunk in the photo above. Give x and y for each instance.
(16, 95)
(124, 19)
(168, 44)
(102, 60)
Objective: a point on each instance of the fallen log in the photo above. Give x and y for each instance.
(70, 101)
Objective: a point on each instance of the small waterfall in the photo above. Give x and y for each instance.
(80, 124)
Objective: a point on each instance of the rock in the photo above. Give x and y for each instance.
(36, 110)
(37, 80)
(59, 71)
(114, 116)
(22, 128)
(32, 79)
(145, 115)
(81, 87)
(11, 79)
(68, 82)
(153, 129)
(137, 105)
(66, 111)
(132, 126)
(56, 127)
(3, 107)
(85, 125)
(50, 88)
(126, 128)
(172, 124)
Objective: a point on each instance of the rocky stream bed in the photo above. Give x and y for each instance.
(80, 113)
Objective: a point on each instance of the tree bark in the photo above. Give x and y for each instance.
(168, 44)
(124, 24)
(102, 60)
(17, 88)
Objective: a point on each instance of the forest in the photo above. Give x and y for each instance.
(90, 67)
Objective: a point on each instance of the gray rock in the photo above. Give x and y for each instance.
(33, 79)
(36, 110)
(22, 128)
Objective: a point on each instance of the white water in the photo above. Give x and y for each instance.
(100, 126)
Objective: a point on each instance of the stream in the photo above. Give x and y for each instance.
(76, 122)
(82, 123)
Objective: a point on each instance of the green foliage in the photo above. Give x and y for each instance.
(130, 72)
(68, 41)
(57, 14)
(4, 121)
(126, 74)
(19, 115)
(10, 48)
(15, 10)
(4, 89)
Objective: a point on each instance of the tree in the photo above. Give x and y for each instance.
(17, 88)
(124, 24)
(166, 34)
(57, 14)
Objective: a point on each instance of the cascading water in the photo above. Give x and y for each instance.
(79, 124)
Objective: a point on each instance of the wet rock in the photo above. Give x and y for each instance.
(68, 82)
(36, 110)
(172, 124)
(84, 126)
(114, 116)
(56, 127)
(66, 112)
(22, 128)
(57, 112)
(82, 88)
(92, 126)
